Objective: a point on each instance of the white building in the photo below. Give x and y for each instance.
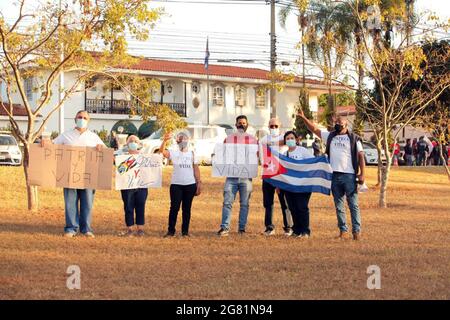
(233, 91)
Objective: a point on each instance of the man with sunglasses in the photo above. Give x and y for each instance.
(274, 139)
(78, 218)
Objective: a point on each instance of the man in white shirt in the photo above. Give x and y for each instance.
(346, 155)
(274, 140)
(79, 218)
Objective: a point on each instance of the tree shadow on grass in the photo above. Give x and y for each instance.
(30, 228)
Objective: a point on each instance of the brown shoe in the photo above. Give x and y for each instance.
(343, 235)
(356, 236)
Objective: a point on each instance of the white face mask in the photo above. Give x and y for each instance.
(275, 131)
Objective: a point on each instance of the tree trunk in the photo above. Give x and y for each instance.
(32, 191)
(441, 156)
(380, 164)
(385, 171)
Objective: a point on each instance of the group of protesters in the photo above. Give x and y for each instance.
(423, 152)
(345, 154)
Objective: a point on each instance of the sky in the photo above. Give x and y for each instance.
(236, 32)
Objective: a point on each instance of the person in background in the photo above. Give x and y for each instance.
(134, 199)
(185, 183)
(436, 153)
(396, 153)
(113, 141)
(234, 185)
(422, 150)
(317, 147)
(409, 152)
(274, 139)
(78, 202)
(298, 202)
(415, 151)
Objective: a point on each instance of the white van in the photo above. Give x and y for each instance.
(203, 139)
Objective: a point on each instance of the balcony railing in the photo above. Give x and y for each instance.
(106, 106)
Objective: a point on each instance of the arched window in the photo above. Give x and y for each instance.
(240, 94)
(218, 95)
(260, 94)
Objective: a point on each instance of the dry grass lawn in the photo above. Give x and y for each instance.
(410, 242)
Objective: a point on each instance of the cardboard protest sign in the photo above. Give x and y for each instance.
(235, 160)
(135, 171)
(73, 167)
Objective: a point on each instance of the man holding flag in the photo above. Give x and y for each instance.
(345, 151)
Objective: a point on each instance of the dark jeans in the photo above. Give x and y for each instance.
(421, 159)
(268, 196)
(181, 196)
(134, 201)
(298, 204)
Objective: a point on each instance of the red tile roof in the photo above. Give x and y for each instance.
(18, 110)
(213, 70)
(345, 110)
(341, 110)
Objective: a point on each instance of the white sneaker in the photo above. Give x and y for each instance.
(89, 235)
(269, 232)
(288, 233)
(69, 234)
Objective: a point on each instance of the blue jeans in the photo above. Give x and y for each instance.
(78, 217)
(344, 184)
(232, 186)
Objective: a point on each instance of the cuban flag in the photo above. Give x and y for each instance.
(307, 175)
(207, 54)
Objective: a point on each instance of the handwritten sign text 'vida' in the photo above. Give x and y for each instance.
(235, 160)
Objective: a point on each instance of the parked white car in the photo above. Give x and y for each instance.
(202, 140)
(9, 150)
(371, 153)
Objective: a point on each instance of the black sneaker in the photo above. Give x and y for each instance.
(223, 232)
(241, 232)
(269, 232)
(185, 235)
(169, 235)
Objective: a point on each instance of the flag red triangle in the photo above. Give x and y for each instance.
(271, 165)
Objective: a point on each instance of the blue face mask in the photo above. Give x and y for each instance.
(81, 123)
(291, 143)
(133, 146)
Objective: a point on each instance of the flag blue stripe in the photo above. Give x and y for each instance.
(309, 174)
(323, 159)
(298, 189)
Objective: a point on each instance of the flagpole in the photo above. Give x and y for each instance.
(207, 95)
(207, 80)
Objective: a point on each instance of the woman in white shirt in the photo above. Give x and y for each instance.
(185, 183)
(298, 202)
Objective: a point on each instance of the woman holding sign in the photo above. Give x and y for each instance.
(134, 199)
(185, 183)
(298, 202)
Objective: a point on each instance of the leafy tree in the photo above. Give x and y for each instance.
(87, 38)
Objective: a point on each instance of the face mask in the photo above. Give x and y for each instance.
(275, 132)
(338, 127)
(182, 144)
(291, 143)
(133, 146)
(81, 123)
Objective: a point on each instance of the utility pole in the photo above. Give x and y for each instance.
(61, 88)
(273, 58)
